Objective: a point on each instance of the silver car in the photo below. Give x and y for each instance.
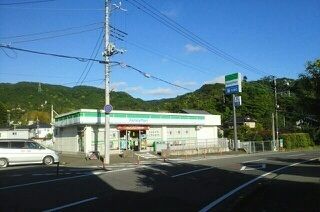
(22, 151)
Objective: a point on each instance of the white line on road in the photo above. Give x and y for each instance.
(185, 173)
(295, 155)
(253, 167)
(219, 200)
(71, 204)
(16, 175)
(66, 178)
(42, 182)
(249, 161)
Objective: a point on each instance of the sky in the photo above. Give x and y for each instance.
(271, 37)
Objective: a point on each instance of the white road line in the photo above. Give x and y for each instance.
(249, 161)
(219, 200)
(253, 167)
(16, 175)
(43, 182)
(295, 155)
(67, 178)
(71, 204)
(185, 173)
(243, 168)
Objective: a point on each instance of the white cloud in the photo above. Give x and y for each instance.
(164, 60)
(219, 79)
(117, 85)
(137, 89)
(171, 13)
(193, 48)
(159, 92)
(185, 83)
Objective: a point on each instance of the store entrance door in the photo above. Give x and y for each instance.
(133, 137)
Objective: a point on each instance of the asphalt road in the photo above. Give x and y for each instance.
(265, 182)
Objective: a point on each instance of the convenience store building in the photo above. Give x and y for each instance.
(83, 130)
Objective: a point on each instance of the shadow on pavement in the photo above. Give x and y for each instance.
(158, 188)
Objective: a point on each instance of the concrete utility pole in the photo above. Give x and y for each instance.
(235, 124)
(273, 132)
(107, 85)
(276, 111)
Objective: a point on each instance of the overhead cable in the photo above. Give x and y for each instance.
(51, 31)
(160, 17)
(56, 36)
(83, 59)
(91, 56)
(25, 2)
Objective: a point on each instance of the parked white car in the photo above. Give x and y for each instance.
(22, 151)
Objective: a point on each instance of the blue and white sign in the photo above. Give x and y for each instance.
(108, 108)
(233, 83)
(237, 101)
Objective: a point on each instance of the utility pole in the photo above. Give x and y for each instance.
(235, 124)
(276, 111)
(273, 132)
(106, 160)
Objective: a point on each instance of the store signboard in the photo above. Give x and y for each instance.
(233, 83)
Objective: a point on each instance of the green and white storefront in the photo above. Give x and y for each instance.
(83, 130)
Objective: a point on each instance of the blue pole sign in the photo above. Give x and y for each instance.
(108, 108)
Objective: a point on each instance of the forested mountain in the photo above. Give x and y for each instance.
(298, 100)
(23, 97)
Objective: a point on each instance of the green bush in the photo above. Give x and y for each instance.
(296, 140)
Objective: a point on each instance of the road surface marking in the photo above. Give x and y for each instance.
(222, 198)
(295, 155)
(71, 204)
(42, 182)
(16, 175)
(253, 167)
(249, 161)
(64, 178)
(185, 173)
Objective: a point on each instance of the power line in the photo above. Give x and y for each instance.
(160, 17)
(52, 31)
(25, 2)
(174, 59)
(147, 75)
(83, 59)
(52, 9)
(56, 36)
(94, 49)
(95, 56)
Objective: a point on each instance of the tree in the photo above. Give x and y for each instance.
(308, 89)
(3, 115)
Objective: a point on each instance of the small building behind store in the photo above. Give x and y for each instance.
(14, 133)
(83, 130)
(40, 131)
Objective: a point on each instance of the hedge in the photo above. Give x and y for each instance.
(296, 140)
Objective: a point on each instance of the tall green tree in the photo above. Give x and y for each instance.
(308, 89)
(3, 115)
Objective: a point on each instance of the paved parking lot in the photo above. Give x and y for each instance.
(264, 182)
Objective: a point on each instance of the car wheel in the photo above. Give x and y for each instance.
(3, 162)
(48, 160)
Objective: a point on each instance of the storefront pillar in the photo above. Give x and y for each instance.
(87, 139)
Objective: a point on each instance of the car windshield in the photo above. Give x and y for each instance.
(33, 145)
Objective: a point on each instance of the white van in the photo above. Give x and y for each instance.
(22, 151)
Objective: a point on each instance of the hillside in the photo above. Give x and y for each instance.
(257, 97)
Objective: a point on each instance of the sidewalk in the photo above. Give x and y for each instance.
(79, 160)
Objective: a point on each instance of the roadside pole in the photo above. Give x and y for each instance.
(106, 159)
(276, 113)
(235, 124)
(233, 86)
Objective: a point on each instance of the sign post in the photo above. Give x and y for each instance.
(233, 86)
